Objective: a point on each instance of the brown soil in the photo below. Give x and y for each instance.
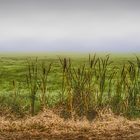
(48, 126)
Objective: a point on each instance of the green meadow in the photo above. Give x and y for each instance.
(79, 83)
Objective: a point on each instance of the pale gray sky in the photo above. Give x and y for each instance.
(70, 25)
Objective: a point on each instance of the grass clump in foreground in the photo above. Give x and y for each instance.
(80, 87)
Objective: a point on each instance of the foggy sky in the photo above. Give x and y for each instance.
(70, 25)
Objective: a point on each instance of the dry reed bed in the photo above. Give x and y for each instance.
(48, 125)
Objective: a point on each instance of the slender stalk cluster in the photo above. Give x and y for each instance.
(86, 87)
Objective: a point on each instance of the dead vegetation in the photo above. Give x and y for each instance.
(47, 125)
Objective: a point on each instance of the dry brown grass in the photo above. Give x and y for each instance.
(48, 125)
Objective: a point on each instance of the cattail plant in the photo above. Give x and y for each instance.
(66, 90)
(32, 81)
(78, 84)
(133, 86)
(80, 95)
(43, 77)
(65, 65)
(120, 91)
(103, 77)
(92, 70)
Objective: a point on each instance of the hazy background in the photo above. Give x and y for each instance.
(70, 25)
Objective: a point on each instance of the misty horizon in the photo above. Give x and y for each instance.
(69, 46)
(76, 25)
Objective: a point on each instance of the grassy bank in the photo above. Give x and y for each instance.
(79, 84)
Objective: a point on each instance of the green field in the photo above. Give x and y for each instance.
(81, 84)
